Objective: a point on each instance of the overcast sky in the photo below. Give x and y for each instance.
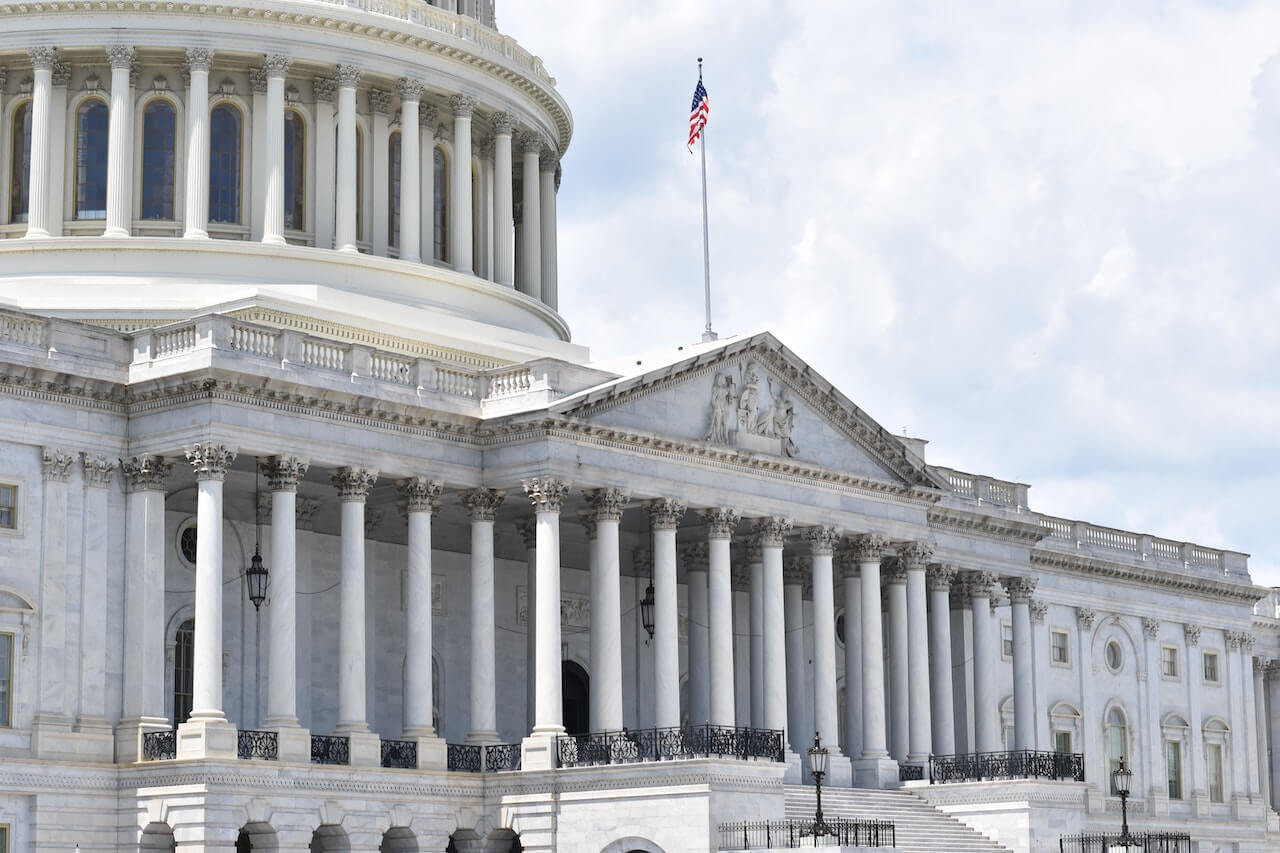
(1041, 236)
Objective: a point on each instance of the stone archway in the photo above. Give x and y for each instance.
(157, 836)
(399, 839)
(330, 838)
(575, 690)
(256, 837)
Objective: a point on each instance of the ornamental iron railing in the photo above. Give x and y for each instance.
(330, 749)
(252, 744)
(484, 758)
(836, 832)
(1146, 842)
(402, 754)
(161, 745)
(631, 746)
(502, 756)
(465, 758)
(910, 772)
(1017, 764)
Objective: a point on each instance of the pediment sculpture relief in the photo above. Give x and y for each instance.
(744, 418)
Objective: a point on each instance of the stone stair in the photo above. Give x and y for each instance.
(918, 826)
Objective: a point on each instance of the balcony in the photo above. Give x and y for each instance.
(1017, 764)
(632, 746)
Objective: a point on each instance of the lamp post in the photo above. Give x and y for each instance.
(1121, 780)
(818, 766)
(646, 611)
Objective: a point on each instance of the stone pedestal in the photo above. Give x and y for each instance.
(366, 749)
(53, 737)
(206, 739)
(128, 737)
(433, 753)
(538, 752)
(875, 773)
(795, 768)
(839, 771)
(293, 744)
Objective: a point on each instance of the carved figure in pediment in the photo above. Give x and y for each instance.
(783, 413)
(722, 400)
(749, 399)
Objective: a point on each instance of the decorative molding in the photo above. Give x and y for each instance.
(795, 571)
(694, 557)
(120, 57)
(548, 158)
(373, 517)
(283, 472)
(502, 123)
(1217, 588)
(1191, 633)
(56, 464)
(588, 521)
(1039, 610)
(420, 494)
(893, 572)
(1085, 617)
(752, 550)
(304, 512)
(1020, 589)
(1260, 667)
(146, 473)
(42, 57)
(277, 65)
(547, 494)
(429, 116)
(482, 504)
(1150, 627)
(575, 612)
(981, 584)
(353, 483)
(529, 141)
(257, 80)
(99, 471)
(665, 513)
(528, 530)
(850, 565)
(199, 59)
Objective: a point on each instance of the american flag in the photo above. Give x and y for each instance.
(698, 115)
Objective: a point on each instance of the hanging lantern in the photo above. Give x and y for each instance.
(646, 611)
(256, 578)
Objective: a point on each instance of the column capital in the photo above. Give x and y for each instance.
(462, 105)
(547, 494)
(99, 471)
(4, 76)
(1247, 641)
(482, 504)
(373, 518)
(420, 494)
(199, 58)
(694, 557)
(642, 561)
(283, 472)
(1150, 627)
(868, 547)
(56, 464)
(751, 550)
(1260, 667)
(120, 57)
(502, 124)
(62, 73)
(914, 556)
(961, 594)
(1233, 639)
(1191, 633)
(720, 522)
(665, 513)
(348, 76)
(939, 577)
(379, 102)
(772, 530)
(304, 512)
(528, 530)
(606, 504)
(146, 473)
(209, 461)
(822, 539)
(1019, 588)
(530, 141)
(410, 89)
(42, 57)
(548, 158)
(981, 584)
(850, 565)
(1039, 610)
(353, 483)
(324, 88)
(740, 579)
(588, 521)
(795, 571)
(893, 572)
(277, 65)
(428, 116)
(1085, 617)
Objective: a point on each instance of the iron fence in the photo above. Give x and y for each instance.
(910, 772)
(400, 753)
(257, 744)
(1017, 764)
(502, 756)
(484, 758)
(465, 757)
(1146, 842)
(157, 746)
(330, 749)
(630, 746)
(837, 832)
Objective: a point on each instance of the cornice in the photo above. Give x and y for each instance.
(993, 527)
(62, 387)
(1243, 594)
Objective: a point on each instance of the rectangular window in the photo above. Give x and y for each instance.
(1211, 667)
(1006, 641)
(6, 683)
(1173, 760)
(1169, 662)
(1062, 742)
(1058, 647)
(8, 507)
(1213, 756)
(4, 838)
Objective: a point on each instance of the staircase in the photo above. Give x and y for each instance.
(918, 826)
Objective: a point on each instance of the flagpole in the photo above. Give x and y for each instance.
(707, 334)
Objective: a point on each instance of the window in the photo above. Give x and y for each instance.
(1213, 760)
(439, 206)
(158, 145)
(91, 160)
(1114, 656)
(20, 164)
(224, 164)
(1058, 647)
(187, 543)
(6, 682)
(4, 838)
(8, 507)
(1062, 742)
(1117, 738)
(1211, 667)
(295, 147)
(1006, 641)
(1169, 662)
(183, 652)
(393, 190)
(1173, 762)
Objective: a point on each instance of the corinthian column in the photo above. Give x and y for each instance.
(549, 167)
(282, 474)
(199, 61)
(420, 497)
(852, 584)
(873, 769)
(1024, 733)
(799, 721)
(460, 189)
(99, 477)
(720, 524)
(503, 214)
(694, 558)
(325, 88)
(986, 725)
(547, 495)
(42, 59)
(822, 544)
(410, 175)
(119, 147)
(530, 148)
(755, 577)
(345, 229)
(943, 708)
(353, 485)
(914, 557)
(275, 67)
(482, 505)
(606, 506)
(664, 517)
(53, 710)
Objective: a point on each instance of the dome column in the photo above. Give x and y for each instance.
(276, 67)
(503, 214)
(460, 186)
(410, 171)
(199, 61)
(42, 59)
(379, 137)
(119, 146)
(345, 229)
(548, 182)
(326, 177)
(531, 258)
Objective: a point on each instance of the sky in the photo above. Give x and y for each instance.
(1039, 235)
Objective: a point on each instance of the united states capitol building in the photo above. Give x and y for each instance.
(318, 532)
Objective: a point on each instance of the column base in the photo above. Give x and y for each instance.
(1200, 803)
(115, 231)
(839, 771)
(433, 753)
(366, 749)
(538, 752)
(483, 737)
(128, 736)
(195, 234)
(212, 737)
(875, 773)
(293, 744)
(795, 768)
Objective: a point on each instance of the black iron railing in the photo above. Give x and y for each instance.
(255, 744)
(501, 756)
(910, 772)
(160, 745)
(836, 832)
(400, 753)
(634, 745)
(1146, 842)
(1018, 764)
(484, 758)
(465, 757)
(330, 749)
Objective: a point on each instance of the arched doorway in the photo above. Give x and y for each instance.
(575, 693)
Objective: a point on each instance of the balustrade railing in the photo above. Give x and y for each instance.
(256, 744)
(402, 754)
(630, 746)
(1146, 842)
(1017, 764)
(502, 756)
(781, 834)
(464, 758)
(330, 749)
(910, 772)
(483, 758)
(161, 745)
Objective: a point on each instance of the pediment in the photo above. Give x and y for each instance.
(756, 397)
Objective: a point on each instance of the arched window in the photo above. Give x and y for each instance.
(91, 160)
(1117, 743)
(158, 144)
(393, 189)
(224, 164)
(183, 651)
(295, 148)
(20, 164)
(439, 206)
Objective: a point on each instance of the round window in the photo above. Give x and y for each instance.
(187, 543)
(1115, 657)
